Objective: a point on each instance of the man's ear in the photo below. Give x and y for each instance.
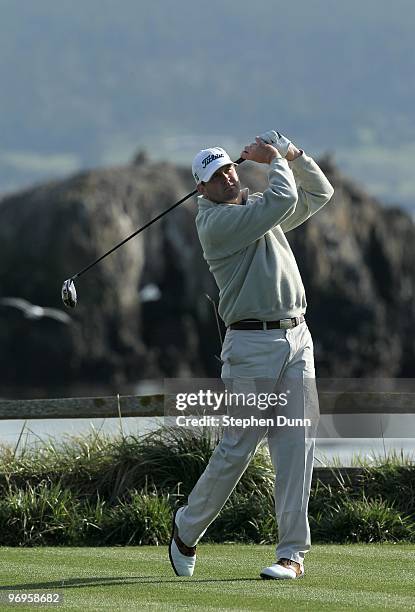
(201, 188)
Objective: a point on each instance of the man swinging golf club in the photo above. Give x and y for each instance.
(262, 303)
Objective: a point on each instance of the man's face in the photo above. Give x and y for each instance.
(224, 186)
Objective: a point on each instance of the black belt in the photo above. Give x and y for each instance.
(264, 325)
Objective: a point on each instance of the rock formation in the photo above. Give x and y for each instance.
(143, 313)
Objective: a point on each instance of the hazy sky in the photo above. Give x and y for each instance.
(88, 82)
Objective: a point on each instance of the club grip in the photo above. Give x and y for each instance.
(239, 161)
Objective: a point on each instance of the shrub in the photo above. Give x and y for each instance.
(247, 517)
(40, 515)
(348, 520)
(172, 459)
(144, 518)
(392, 482)
(97, 490)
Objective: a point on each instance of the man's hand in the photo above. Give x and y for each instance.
(260, 152)
(284, 146)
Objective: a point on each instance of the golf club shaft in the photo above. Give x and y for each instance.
(189, 195)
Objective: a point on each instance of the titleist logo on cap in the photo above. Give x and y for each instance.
(210, 158)
(207, 161)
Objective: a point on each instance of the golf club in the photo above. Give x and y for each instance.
(68, 293)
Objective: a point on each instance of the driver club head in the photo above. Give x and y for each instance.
(69, 294)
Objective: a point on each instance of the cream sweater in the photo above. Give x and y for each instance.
(246, 248)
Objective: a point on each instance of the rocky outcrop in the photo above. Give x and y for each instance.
(356, 259)
(143, 312)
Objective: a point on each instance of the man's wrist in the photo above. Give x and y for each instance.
(293, 153)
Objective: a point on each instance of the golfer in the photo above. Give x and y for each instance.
(262, 303)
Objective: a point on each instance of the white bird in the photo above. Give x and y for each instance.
(31, 311)
(150, 293)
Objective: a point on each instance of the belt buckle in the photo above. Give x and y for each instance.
(286, 324)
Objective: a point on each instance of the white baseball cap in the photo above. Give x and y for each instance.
(207, 162)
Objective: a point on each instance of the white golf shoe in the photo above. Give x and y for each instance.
(182, 557)
(282, 570)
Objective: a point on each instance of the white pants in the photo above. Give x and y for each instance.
(253, 359)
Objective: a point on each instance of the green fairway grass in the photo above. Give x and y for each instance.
(338, 577)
